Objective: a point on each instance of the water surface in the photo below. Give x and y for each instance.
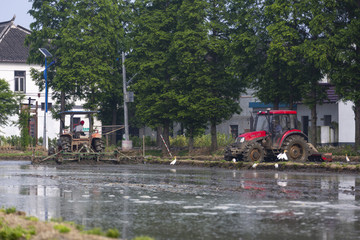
(177, 202)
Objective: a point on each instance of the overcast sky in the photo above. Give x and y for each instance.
(19, 8)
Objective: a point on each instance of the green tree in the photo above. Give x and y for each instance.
(343, 52)
(24, 117)
(86, 38)
(291, 44)
(8, 102)
(189, 46)
(154, 24)
(50, 17)
(93, 41)
(221, 88)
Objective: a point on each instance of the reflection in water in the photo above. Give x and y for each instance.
(184, 203)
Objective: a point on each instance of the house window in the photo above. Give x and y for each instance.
(19, 81)
(234, 131)
(327, 120)
(43, 106)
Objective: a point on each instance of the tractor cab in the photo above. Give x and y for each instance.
(276, 124)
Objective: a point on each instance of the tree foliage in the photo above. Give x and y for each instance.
(8, 102)
(193, 58)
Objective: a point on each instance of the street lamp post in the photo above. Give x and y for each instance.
(47, 54)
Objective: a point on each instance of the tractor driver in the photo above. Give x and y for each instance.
(277, 127)
(277, 130)
(79, 129)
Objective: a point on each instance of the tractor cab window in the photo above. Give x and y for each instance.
(262, 123)
(293, 121)
(280, 123)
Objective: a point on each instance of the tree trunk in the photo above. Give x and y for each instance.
(357, 124)
(191, 140)
(214, 145)
(159, 142)
(114, 120)
(276, 104)
(313, 128)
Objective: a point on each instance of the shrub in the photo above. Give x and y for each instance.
(10, 210)
(179, 141)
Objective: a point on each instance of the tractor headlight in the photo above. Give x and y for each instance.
(241, 140)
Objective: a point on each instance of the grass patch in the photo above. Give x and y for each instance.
(57, 220)
(22, 154)
(62, 228)
(143, 238)
(16, 233)
(9, 210)
(154, 152)
(95, 231)
(112, 233)
(340, 150)
(183, 153)
(31, 218)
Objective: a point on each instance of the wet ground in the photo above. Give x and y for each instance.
(182, 202)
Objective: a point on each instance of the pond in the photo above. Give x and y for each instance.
(181, 202)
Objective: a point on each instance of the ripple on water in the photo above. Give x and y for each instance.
(145, 196)
(192, 207)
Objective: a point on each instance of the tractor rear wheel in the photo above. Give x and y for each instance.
(65, 144)
(296, 148)
(98, 145)
(254, 153)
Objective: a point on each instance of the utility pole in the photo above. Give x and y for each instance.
(126, 143)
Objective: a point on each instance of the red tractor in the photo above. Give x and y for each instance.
(273, 132)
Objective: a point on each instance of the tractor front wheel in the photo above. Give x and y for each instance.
(296, 148)
(254, 153)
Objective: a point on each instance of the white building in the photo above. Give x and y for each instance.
(335, 118)
(15, 70)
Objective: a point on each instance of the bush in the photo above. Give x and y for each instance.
(179, 141)
(203, 141)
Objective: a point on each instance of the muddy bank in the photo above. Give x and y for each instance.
(17, 226)
(281, 166)
(338, 164)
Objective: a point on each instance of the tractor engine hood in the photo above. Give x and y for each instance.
(251, 136)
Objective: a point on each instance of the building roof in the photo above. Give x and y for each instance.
(12, 38)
